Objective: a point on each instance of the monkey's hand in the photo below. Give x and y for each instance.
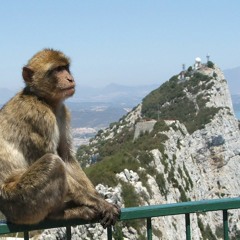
(110, 214)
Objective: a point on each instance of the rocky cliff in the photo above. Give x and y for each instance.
(180, 144)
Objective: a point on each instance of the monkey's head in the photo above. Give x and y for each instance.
(48, 76)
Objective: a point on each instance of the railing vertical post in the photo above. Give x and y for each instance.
(149, 229)
(26, 235)
(225, 225)
(68, 232)
(188, 226)
(109, 233)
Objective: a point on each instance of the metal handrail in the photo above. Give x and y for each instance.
(143, 212)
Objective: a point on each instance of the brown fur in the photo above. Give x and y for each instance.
(40, 176)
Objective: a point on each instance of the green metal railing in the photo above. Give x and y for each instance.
(144, 212)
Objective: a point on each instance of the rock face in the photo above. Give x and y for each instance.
(191, 165)
(207, 167)
(219, 95)
(206, 164)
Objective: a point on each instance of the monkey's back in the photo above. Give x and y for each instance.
(28, 130)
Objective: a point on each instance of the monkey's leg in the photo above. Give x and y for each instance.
(109, 217)
(71, 210)
(29, 197)
(85, 202)
(88, 213)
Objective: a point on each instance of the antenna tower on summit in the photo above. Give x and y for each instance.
(208, 57)
(183, 67)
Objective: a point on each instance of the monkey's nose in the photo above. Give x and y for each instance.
(70, 79)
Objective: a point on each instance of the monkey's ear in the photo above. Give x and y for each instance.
(27, 74)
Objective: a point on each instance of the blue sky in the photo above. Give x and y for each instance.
(130, 42)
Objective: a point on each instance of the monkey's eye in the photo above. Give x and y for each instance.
(61, 68)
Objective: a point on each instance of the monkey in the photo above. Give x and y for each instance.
(40, 177)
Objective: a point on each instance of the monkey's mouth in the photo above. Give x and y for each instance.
(69, 90)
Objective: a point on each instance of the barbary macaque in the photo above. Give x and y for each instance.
(39, 175)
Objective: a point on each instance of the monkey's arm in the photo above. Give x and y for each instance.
(80, 189)
(83, 193)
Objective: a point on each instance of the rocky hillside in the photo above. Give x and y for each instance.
(180, 144)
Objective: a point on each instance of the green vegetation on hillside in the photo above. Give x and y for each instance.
(122, 152)
(181, 101)
(210, 64)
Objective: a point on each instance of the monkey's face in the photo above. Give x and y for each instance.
(48, 76)
(63, 84)
(54, 85)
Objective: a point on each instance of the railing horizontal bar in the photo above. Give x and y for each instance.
(134, 213)
(46, 224)
(180, 208)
